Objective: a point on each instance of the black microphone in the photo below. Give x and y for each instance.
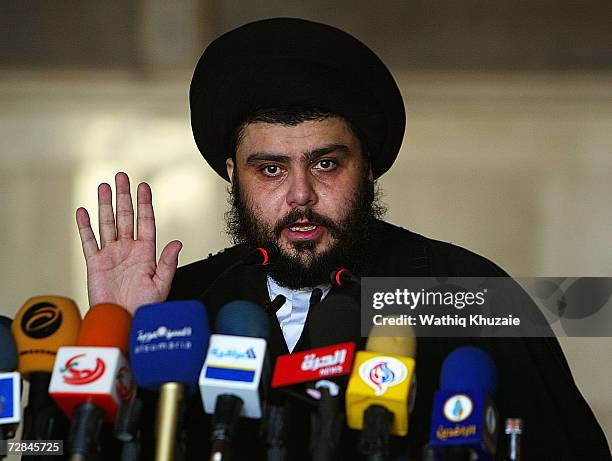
(315, 298)
(344, 278)
(275, 305)
(274, 431)
(260, 256)
(333, 321)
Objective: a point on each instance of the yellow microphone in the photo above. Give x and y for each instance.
(40, 328)
(381, 389)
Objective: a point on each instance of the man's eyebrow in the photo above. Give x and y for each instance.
(320, 151)
(266, 157)
(307, 157)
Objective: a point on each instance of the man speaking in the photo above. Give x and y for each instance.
(302, 119)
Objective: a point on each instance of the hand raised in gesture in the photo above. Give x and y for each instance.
(123, 269)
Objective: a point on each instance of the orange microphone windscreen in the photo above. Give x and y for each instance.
(106, 325)
(41, 327)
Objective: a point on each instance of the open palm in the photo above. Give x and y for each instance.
(123, 269)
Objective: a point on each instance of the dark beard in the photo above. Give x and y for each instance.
(351, 237)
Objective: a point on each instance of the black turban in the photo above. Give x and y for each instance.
(286, 63)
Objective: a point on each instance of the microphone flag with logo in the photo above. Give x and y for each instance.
(168, 342)
(333, 326)
(235, 375)
(40, 328)
(381, 389)
(313, 364)
(92, 381)
(464, 417)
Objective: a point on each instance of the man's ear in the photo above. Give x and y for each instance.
(229, 164)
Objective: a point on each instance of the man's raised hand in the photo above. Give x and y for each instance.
(123, 269)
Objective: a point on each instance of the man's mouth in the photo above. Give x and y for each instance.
(302, 228)
(303, 231)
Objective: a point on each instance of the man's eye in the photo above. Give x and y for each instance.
(271, 170)
(325, 165)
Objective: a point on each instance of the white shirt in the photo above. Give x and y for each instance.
(292, 315)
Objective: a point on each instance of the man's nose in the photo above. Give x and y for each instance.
(301, 189)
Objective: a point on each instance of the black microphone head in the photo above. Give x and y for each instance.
(334, 320)
(342, 278)
(263, 255)
(243, 318)
(8, 351)
(6, 321)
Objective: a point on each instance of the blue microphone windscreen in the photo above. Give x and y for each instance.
(168, 343)
(8, 350)
(6, 321)
(468, 368)
(243, 318)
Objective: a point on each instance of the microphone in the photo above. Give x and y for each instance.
(6, 321)
(333, 328)
(273, 306)
(234, 378)
(313, 364)
(8, 350)
(381, 390)
(260, 256)
(318, 365)
(91, 381)
(514, 430)
(41, 327)
(10, 386)
(342, 278)
(168, 342)
(464, 420)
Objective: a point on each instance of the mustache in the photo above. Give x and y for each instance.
(312, 216)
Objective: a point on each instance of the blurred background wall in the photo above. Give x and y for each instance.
(507, 148)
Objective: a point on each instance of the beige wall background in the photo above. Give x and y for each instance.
(513, 162)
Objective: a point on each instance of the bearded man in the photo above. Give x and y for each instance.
(302, 119)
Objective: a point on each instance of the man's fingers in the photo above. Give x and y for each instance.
(125, 209)
(166, 267)
(145, 217)
(88, 239)
(106, 218)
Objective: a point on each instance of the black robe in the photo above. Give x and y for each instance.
(534, 380)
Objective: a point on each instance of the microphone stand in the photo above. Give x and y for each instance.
(225, 420)
(326, 423)
(42, 419)
(126, 429)
(168, 416)
(374, 442)
(275, 432)
(85, 431)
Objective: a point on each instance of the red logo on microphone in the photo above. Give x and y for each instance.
(314, 364)
(77, 377)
